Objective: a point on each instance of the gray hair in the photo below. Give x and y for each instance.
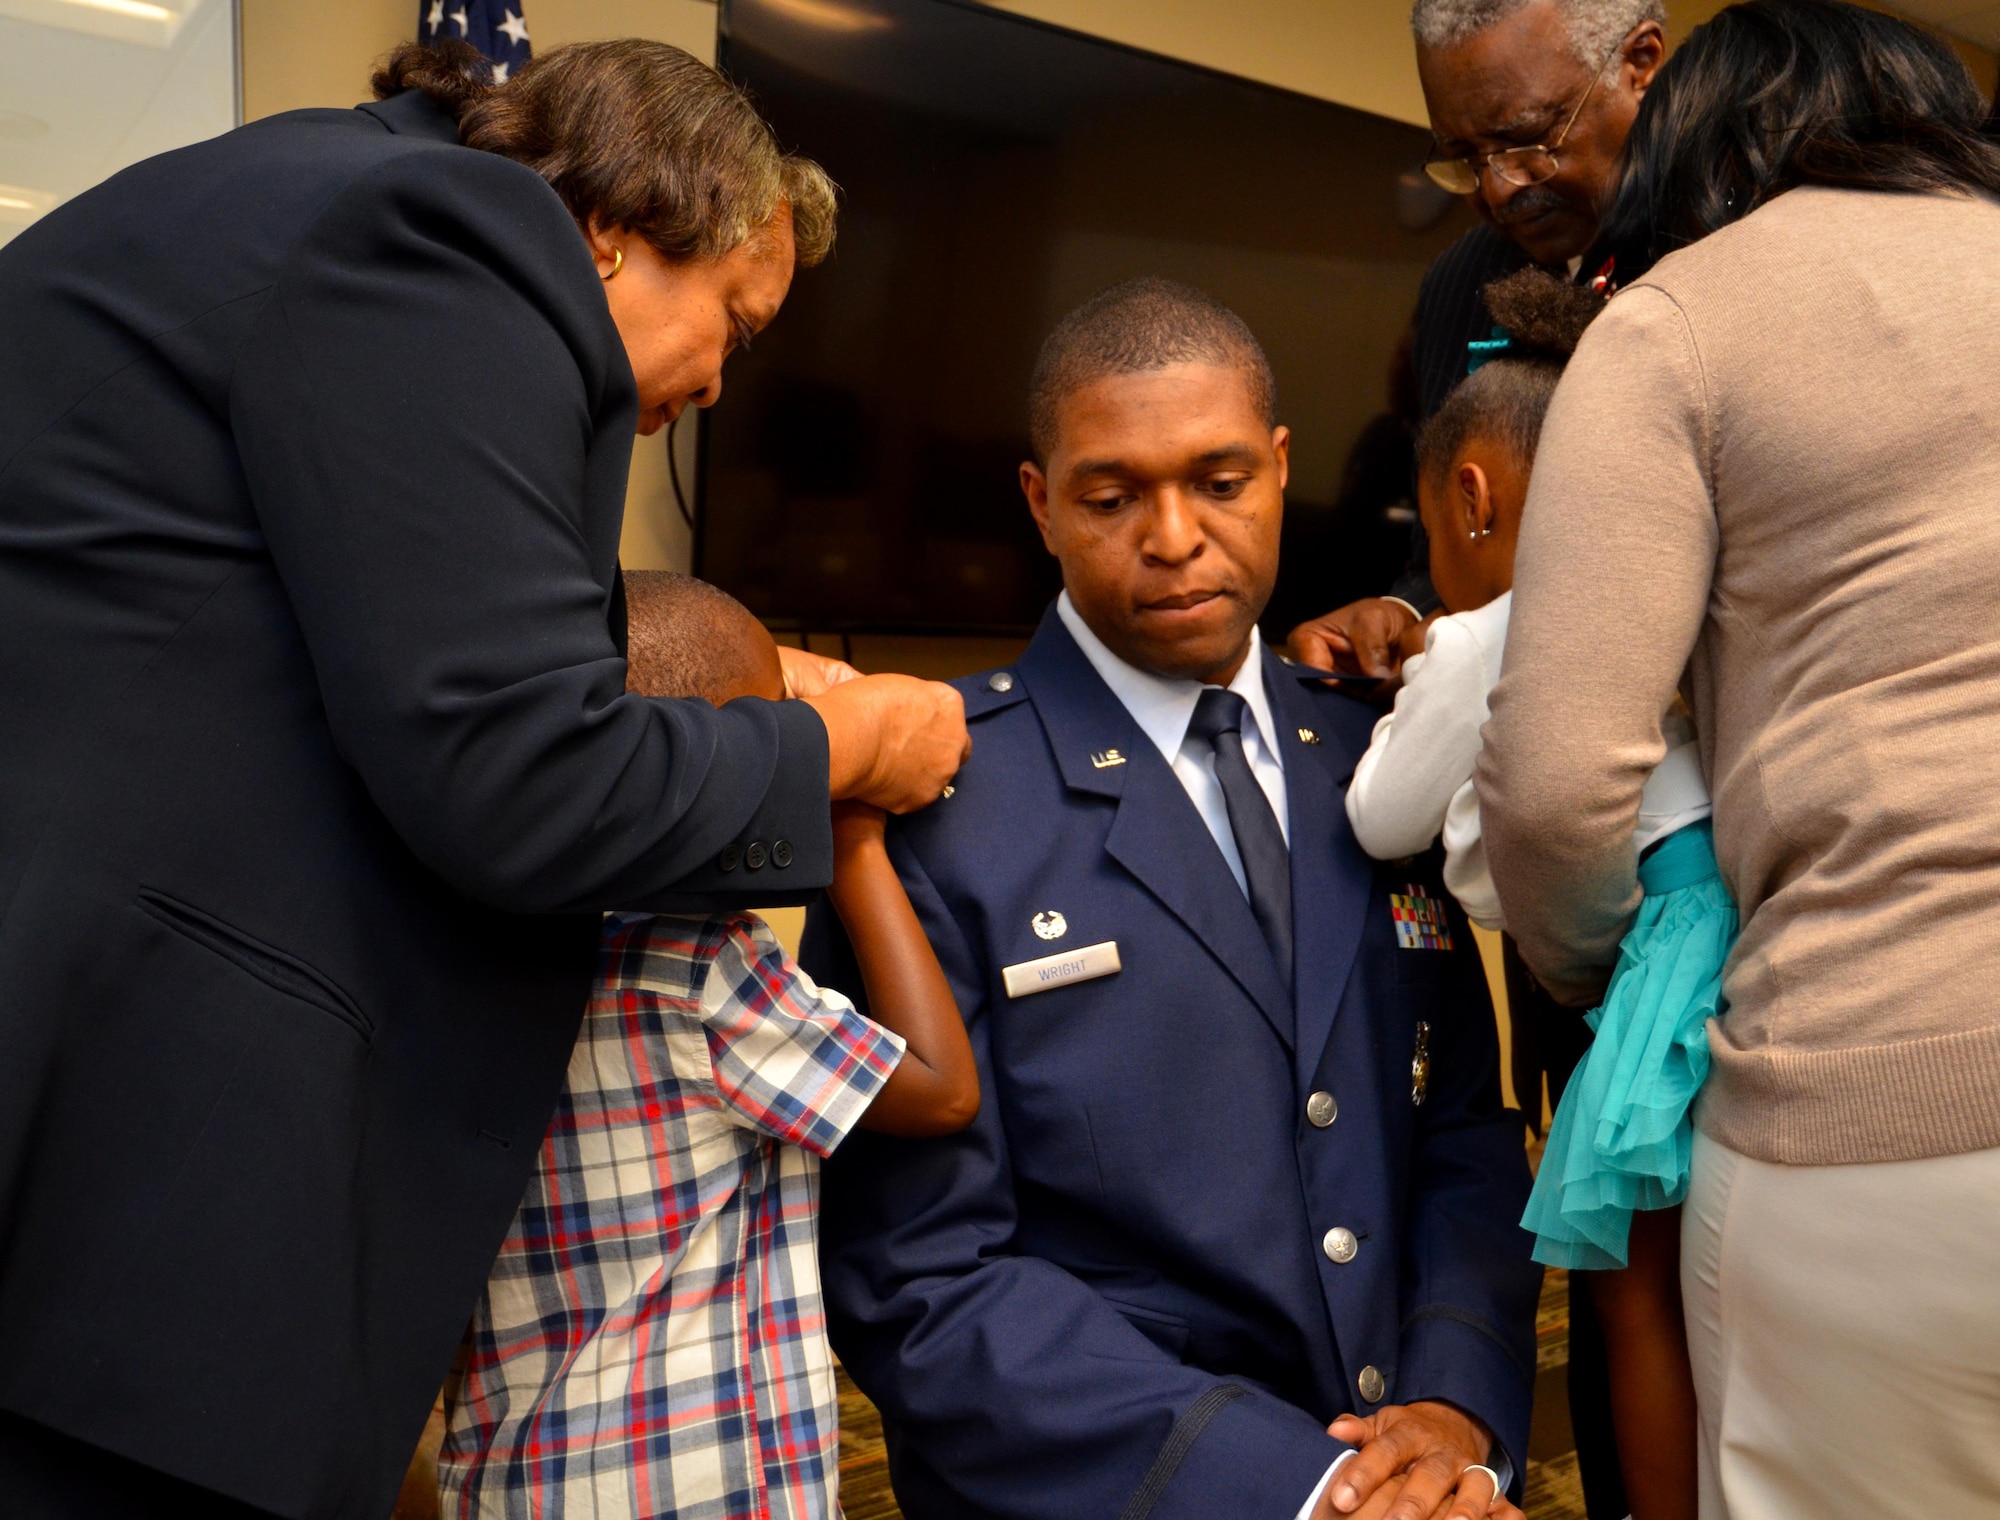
(1595, 27)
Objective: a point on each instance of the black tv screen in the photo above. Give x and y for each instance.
(860, 475)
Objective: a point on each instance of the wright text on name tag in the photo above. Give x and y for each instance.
(1060, 970)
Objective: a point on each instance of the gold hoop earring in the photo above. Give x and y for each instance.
(617, 263)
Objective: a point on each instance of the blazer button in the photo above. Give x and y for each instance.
(1371, 1385)
(1321, 1110)
(1000, 680)
(754, 856)
(1339, 1245)
(729, 859)
(781, 853)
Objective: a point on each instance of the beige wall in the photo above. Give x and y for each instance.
(1356, 52)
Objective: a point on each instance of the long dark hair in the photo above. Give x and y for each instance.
(1774, 94)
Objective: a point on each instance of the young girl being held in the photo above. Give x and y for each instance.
(1613, 1174)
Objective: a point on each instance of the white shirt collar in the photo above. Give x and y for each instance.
(1163, 706)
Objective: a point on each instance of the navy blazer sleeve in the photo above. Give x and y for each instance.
(1021, 1390)
(434, 415)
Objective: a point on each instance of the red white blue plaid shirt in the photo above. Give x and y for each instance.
(652, 1340)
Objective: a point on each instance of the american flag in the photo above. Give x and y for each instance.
(495, 27)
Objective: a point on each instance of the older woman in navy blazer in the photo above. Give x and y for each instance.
(316, 758)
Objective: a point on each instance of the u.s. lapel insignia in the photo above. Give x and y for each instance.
(1420, 1066)
(1307, 736)
(1104, 759)
(1049, 924)
(1420, 920)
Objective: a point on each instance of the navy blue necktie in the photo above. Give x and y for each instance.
(1267, 864)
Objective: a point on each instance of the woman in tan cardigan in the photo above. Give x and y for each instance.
(1772, 471)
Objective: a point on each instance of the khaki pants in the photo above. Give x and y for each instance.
(1844, 1324)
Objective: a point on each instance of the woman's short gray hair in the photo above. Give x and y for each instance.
(1595, 27)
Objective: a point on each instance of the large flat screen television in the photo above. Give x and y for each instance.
(860, 475)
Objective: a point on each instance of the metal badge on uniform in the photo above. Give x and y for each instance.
(1420, 1066)
(1104, 759)
(1049, 924)
(1420, 920)
(1054, 971)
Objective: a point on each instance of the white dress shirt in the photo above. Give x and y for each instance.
(1163, 706)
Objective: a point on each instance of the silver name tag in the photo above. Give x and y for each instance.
(1061, 970)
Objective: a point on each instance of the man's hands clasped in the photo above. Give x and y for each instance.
(1421, 1461)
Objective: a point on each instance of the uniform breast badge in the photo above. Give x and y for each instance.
(1420, 1066)
(1420, 920)
(1049, 924)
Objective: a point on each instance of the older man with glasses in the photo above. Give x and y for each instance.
(1530, 104)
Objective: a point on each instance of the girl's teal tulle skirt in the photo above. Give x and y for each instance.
(1621, 1137)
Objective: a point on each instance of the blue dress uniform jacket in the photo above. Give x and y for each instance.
(315, 762)
(1145, 1280)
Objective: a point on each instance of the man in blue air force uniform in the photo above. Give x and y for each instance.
(1241, 1166)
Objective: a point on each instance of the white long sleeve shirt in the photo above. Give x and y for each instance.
(1415, 782)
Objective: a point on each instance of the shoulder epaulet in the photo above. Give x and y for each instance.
(990, 691)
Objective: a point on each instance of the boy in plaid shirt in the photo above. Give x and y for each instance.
(651, 1341)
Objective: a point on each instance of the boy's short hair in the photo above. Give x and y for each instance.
(686, 638)
(1138, 326)
(1505, 399)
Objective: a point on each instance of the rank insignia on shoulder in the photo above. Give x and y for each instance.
(1307, 736)
(1104, 759)
(1420, 920)
(1420, 1066)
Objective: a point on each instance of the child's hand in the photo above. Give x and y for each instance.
(808, 675)
(1410, 643)
(857, 825)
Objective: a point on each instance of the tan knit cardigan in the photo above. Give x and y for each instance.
(1774, 466)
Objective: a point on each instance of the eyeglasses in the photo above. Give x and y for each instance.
(1514, 166)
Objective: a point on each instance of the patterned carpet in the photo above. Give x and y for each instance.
(1553, 1490)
